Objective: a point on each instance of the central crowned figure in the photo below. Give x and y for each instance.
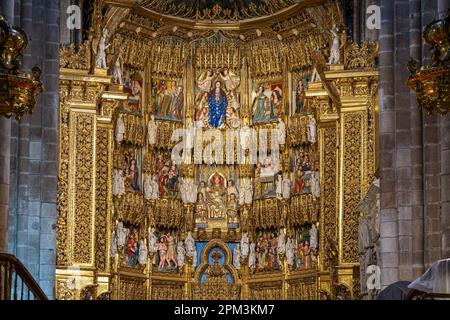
(218, 104)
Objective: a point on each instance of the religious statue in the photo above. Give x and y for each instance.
(245, 245)
(279, 186)
(237, 257)
(201, 210)
(218, 104)
(171, 251)
(180, 253)
(299, 182)
(335, 55)
(315, 183)
(132, 175)
(113, 248)
(184, 190)
(177, 105)
(204, 83)
(192, 192)
(231, 189)
(232, 210)
(143, 252)
(190, 245)
(306, 251)
(216, 198)
(121, 234)
(281, 132)
(152, 131)
(313, 237)
(117, 71)
(281, 245)
(276, 99)
(246, 192)
(286, 188)
(312, 129)
(290, 252)
(233, 120)
(101, 51)
(120, 129)
(152, 241)
(132, 248)
(162, 251)
(299, 98)
(118, 183)
(259, 106)
(252, 256)
(231, 80)
(150, 187)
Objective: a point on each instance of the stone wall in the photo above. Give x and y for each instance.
(34, 149)
(414, 149)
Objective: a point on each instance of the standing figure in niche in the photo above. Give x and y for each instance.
(252, 256)
(259, 106)
(335, 55)
(171, 252)
(132, 248)
(299, 184)
(177, 105)
(133, 175)
(218, 104)
(237, 257)
(181, 251)
(307, 262)
(143, 252)
(101, 51)
(275, 103)
(232, 209)
(299, 100)
(162, 250)
(231, 189)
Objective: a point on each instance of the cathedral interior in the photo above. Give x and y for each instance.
(230, 150)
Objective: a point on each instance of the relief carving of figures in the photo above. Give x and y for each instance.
(167, 252)
(267, 252)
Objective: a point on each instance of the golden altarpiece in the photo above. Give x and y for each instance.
(135, 224)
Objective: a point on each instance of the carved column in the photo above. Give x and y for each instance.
(329, 187)
(84, 185)
(354, 87)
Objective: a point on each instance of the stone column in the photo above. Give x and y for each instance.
(7, 9)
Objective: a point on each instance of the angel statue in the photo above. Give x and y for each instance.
(204, 82)
(101, 51)
(335, 55)
(231, 80)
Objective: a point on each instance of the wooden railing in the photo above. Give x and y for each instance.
(16, 282)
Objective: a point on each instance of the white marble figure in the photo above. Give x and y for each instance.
(121, 234)
(281, 247)
(290, 252)
(190, 245)
(118, 183)
(245, 246)
(281, 132)
(315, 76)
(152, 241)
(252, 256)
(117, 71)
(181, 252)
(120, 129)
(194, 258)
(152, 131)
(113, 243)
(143, 253)
(155, 190)
(335, 55)
(286, 188)
(147, 187)
(184, 190)
(315, 184)
(279, 186)
(313, 237)
(312, 129)
(237, 257)
(101, 51)
(192, 192)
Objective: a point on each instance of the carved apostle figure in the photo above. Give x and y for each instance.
(152, 241)
(152, 131)
(313, 237)
(290, 255)
(101, 51)
(281, 132)
(143, 252)
(315, 183)
(245, 246)
(190, 245)
(281, 246)
(252, 256)
(312, 129)
(181, 251)
(286, 188)
(237, 257)
(335, 56)
(120, 129)
(118, 183)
